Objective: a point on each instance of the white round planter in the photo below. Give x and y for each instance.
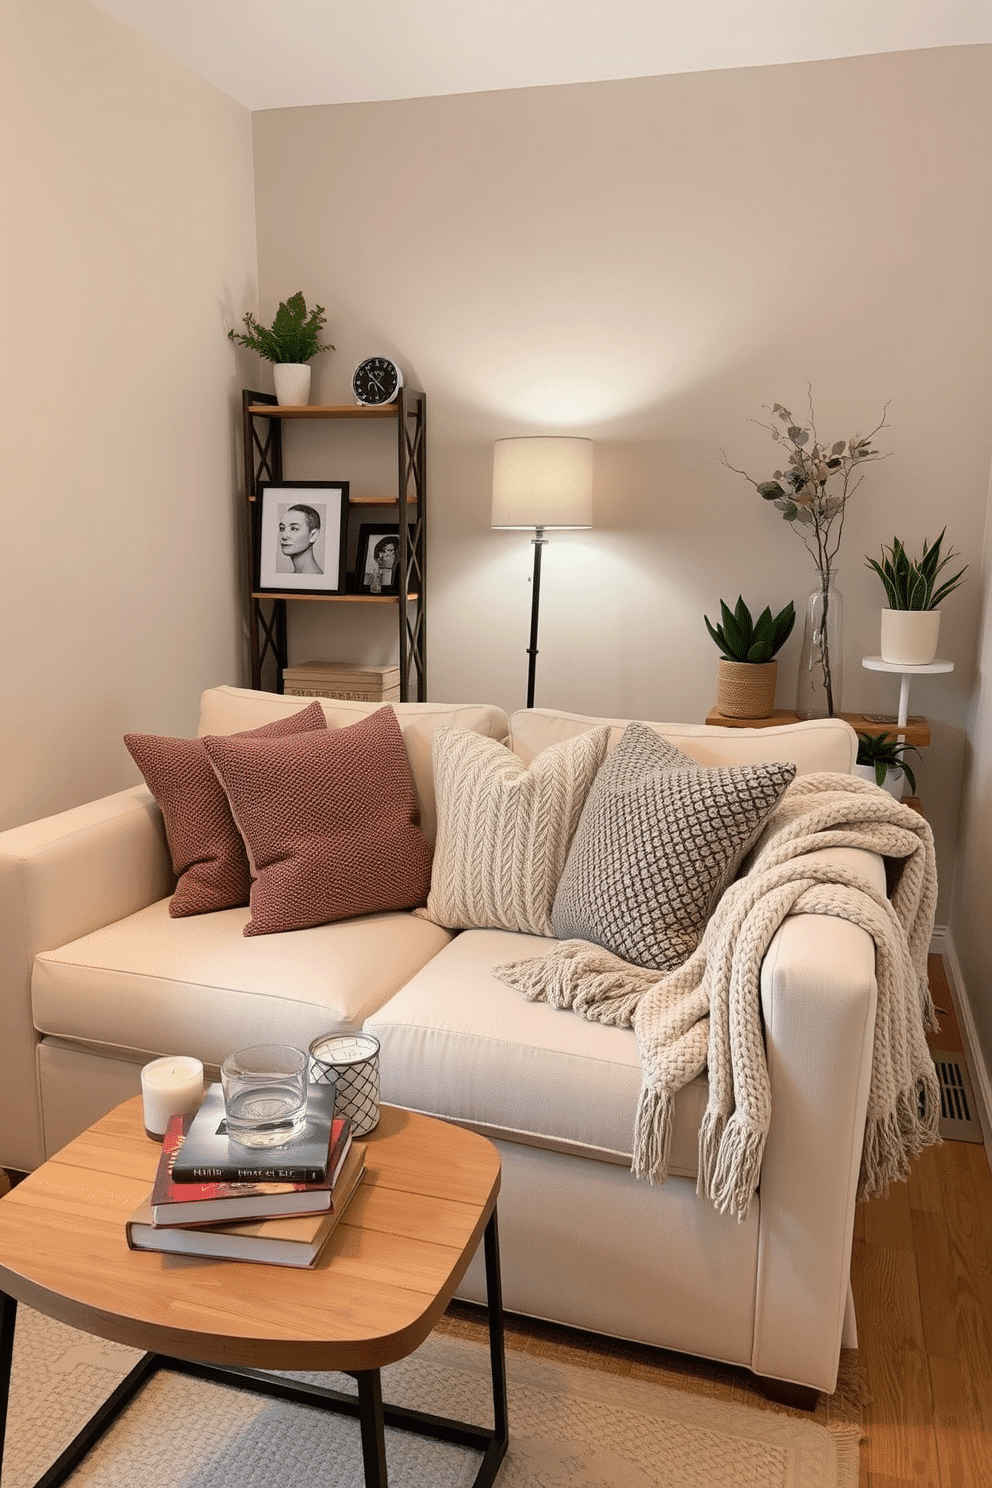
(893, 782)
(909, 637)
(292, 381)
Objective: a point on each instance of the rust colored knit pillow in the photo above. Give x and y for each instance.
(208, 854)
(331, 821)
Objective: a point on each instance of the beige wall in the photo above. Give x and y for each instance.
(646, 262)
(127, 244)
(649, 263)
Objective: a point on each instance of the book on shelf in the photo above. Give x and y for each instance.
(291, 1240)
(313, 690)
(209, 1155)
(219, 1203)
(343, 679)
(343, 673)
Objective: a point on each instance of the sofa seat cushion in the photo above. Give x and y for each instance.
(457, 1043)
(199, 986)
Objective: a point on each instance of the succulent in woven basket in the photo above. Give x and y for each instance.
(742, 639)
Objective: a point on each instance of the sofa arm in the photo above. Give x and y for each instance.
(61, 878)
(818, 998)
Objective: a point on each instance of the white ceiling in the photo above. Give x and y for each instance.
(286, 53)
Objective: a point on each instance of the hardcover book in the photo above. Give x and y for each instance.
(219, 1203)
(209, 1155)
(293, 1240)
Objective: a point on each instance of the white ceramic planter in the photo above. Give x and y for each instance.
(292, 381)
(893, 782)
(909, 637)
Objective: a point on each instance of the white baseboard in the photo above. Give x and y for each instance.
(942, 945)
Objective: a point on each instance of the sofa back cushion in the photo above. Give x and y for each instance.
(812, 745)
(229, 710)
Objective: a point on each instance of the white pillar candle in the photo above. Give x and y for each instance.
(172, 1086)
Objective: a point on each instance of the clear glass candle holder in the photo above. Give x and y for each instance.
(265, 1094)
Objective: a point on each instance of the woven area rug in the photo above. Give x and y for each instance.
(570, 1427)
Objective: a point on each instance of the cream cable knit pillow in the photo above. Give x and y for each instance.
(504, 829)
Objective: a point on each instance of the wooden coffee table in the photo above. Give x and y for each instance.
(389, 1271)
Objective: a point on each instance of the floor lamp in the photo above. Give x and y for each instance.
(541, 482)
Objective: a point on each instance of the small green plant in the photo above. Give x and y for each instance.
(294, 335)
(886, 754)
(741, 639)
(911, 584)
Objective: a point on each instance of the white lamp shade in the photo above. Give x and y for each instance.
(542, 482)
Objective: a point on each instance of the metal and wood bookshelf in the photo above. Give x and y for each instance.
(264, 421)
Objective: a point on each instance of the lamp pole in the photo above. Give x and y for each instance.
(539, 540)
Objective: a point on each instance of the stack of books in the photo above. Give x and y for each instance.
(342, 679)
(276, 1205)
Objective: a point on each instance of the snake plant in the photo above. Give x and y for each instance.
(911, 584)
(742, 639)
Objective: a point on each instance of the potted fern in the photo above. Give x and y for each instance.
(290, 343)
(882, 759)
(748, 671)
(914, 589)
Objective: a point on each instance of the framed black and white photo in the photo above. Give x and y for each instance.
(377, 562)
(301, 533)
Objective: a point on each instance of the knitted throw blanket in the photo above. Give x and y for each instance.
(707, 1012)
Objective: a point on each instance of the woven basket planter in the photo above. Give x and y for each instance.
(746, 689)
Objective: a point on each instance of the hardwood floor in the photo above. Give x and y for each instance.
(922, 1279)
(921, 1382)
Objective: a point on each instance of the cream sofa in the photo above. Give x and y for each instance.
(97, 979)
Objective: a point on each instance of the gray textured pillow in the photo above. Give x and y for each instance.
(659, 840)
(504, 828)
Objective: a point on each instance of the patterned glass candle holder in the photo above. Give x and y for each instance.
(352, 1059)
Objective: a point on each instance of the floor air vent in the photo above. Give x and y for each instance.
(958, 1118)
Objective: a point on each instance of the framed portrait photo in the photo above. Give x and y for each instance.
(377, 561)
(300, 537)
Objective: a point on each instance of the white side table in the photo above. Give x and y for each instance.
(906, 673)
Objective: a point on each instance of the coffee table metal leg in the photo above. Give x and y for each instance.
(8, 1320)
(373, 1429)
(497, 1338)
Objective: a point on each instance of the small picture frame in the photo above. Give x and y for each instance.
(300, 537)
(377, 561)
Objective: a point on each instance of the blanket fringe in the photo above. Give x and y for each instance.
(730, 1153)
(892, 1142)
(710, 1136)
(652, 1135)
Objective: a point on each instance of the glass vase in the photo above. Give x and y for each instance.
(821, 660)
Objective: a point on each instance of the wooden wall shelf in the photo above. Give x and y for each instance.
(916, 729)
(324, 410)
